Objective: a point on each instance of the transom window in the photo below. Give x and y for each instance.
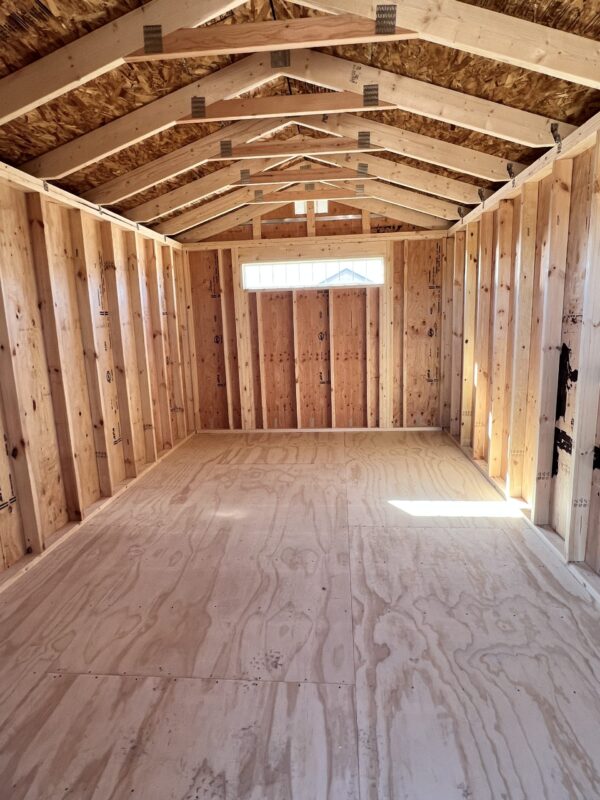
(313, 273)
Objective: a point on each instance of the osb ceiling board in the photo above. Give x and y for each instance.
(33, 28)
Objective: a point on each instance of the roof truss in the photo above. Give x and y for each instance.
(258, 37)
(488, 33)
(427, 99)
(98, 52)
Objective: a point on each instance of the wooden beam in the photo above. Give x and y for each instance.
(174, 365)
(244, 346)
(228, 325)
(415, 145)
(310, 219)
(402, 174)
(470, 298)
(154, 266)
(179, 161)
(139, 305)
(372, 356)
(98, 52)
(112, 256)
(260, 37)
(365, 216)
(500, 337)
(15, 406)
(280, 105)
(446, 334)
(588, 383)
(295, 147)
(43, 256)
(409, 199)
(482, 388)
(386, 342)
(397, 212)
(553, 266)
(489, 34)
(299, 420)
(240, 216)
(427, 99)
(458, 245)
(524, 287)
(297, 193)
(222, 204)
(196, 190)
(192, 342)
(150, 119)
(302, 242)
(90, 299)
(577, 142)
(310, 172)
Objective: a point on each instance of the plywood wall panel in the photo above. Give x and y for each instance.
(313, 358)
(347, 315)
(422, 318)
(210, 348)
(276, 337)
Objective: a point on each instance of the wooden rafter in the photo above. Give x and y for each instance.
(181, 160)
(238, 217)
(415, 145)
(257, 37)
(222, 204)
(409, 199)
(488, 33)
(197, 190)
(152, 118)
(400, 213)
(407, 176)
(283, 105)
(98, 52)
(426, 99)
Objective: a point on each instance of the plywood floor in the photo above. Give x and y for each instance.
(310, 616)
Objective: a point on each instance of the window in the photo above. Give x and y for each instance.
(323, 273)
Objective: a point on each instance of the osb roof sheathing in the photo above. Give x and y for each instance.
(33, 28)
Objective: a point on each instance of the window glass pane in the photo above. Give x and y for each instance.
(313, 273)
(299, 207)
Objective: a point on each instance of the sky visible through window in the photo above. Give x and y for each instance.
(313, 273)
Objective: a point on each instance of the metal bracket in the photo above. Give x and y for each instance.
(364, 140)
(511, 171)
(556, 136)
(310, 187)
(481, 194)
(280, 58)
(245, 176)
(370, 94)
(385, 19)
(153, 39)
(462, 212)
(360, 189)
(258, 195)
(363, 169)
(305, 166)
(198, 107)
(226, 148)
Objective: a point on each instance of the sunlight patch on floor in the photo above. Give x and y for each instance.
(459, 508)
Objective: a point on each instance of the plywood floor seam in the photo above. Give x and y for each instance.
(289, 616)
